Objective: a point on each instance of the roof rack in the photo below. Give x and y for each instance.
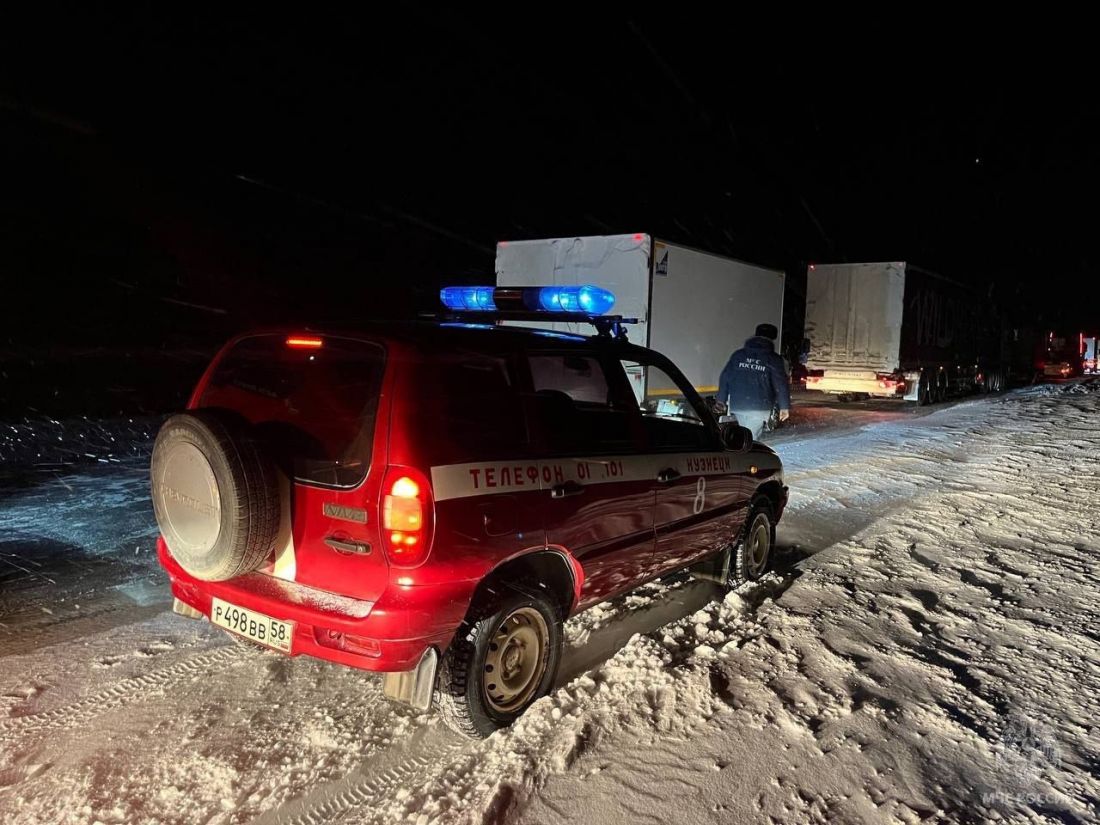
(607, 326)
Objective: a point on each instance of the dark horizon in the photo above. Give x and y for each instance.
(171, 183)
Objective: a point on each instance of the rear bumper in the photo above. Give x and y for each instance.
(1060, 370)
(839, 383)
(404, 622)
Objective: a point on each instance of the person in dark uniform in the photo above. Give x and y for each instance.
(754, 382)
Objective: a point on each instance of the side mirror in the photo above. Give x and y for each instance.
(736, 438)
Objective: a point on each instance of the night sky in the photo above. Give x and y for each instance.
(169, 181)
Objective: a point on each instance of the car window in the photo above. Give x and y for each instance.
(314, 408)
(578, 376)
(469, 400)
(581, 408)
(671, 420)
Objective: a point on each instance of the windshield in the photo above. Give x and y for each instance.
(314, 408)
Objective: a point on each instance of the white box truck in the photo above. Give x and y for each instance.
(692, 306)
(895, 330)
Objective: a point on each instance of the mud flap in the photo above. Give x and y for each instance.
(912, 386)
(184, 609)
(715, 569)
(414, 687)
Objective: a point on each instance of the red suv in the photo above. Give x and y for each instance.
(432, 500)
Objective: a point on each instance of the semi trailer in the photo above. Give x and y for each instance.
(894, 330)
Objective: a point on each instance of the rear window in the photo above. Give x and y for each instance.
(314, 408)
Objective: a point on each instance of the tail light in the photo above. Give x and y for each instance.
(408, 516)
(891, 383)
(338, 640)
(813, 379)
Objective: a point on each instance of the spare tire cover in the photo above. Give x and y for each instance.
(215, 495)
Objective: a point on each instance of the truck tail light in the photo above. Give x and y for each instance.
(407, 516)
(813, 379)
(892, 383)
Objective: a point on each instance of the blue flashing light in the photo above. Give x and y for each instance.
(582, 300)
(586, 299)
(467, 297)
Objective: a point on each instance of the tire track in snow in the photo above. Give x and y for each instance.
(53, 629)
(128, 690)
(374, 782)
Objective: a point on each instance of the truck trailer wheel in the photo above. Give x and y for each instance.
(924, 392)
(503, 658)
(940, 392)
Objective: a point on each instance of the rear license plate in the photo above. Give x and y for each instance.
(252, 625)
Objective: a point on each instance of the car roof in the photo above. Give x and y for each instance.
(481, 337)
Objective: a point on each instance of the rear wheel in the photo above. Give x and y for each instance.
(503, 658)
(924, 391)
(750, 558)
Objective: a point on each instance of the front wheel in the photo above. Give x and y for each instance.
(503, 658)
(750, 558)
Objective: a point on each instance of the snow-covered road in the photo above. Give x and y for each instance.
(927, 647)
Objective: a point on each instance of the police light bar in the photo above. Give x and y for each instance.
(467, 297)
(581, 300)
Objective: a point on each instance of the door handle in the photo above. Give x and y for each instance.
(569, 488)
(356, 548)
(667, 475)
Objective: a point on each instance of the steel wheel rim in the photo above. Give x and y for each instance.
(759, 543)
(516, 660)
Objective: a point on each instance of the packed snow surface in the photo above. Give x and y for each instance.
(927, 648)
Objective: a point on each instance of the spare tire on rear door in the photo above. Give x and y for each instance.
(215, 494)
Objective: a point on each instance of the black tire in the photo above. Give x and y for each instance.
(746, 562)
(924, 392)
(462, 695)
(215, 495)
